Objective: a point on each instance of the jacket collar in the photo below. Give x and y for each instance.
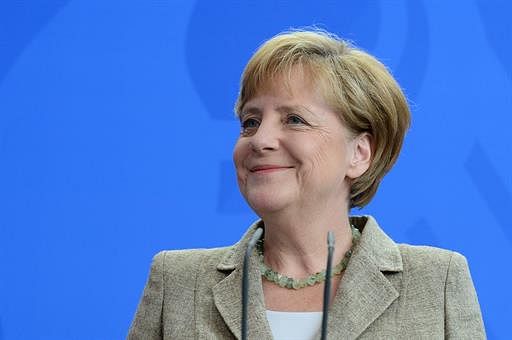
(364, 292)
(227, 294)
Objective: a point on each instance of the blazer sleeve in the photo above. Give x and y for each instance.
(463, 319)
(147, 323)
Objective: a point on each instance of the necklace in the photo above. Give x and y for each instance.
(291, 283)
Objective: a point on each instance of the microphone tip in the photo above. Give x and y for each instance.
(255, 237)
(330, 239)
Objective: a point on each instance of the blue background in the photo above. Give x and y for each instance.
(116, 131)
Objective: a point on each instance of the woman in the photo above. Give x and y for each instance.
(321, 124)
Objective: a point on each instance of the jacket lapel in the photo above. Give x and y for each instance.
(364, 292)
(227, 294)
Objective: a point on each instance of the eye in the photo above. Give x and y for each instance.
(249, 124)
(295, 120)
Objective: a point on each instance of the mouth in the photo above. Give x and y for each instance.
(261, 169)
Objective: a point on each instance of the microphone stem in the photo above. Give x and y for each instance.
(327, 287)
(245, 280)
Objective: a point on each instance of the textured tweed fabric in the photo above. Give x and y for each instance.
(388, 291)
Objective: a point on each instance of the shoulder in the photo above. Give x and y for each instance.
(187, 258)
(415, 261)
(430, 256)
(443, 277)
(181, 266)
(434, 264)
(425, 254)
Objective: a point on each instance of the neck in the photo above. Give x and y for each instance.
(296, 243)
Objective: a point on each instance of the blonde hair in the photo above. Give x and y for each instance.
(355, 84)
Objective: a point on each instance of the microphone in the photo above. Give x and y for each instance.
(327, 287)
(245, 279)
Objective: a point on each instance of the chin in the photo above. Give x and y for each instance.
(264, 203)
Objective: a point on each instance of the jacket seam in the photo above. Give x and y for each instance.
(163, 296)
(445, 288)
(196, 283)
(403, 295)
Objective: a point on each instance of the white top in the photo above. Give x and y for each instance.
(295, 325)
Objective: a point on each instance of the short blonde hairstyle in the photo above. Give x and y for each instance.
(356, 86)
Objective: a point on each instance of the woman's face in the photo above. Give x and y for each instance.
(293, 150)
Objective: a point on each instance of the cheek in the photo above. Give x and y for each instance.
(308, 156)
(322, 151)
(239, 153)
(329, 156)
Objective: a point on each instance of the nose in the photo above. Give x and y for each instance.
(266, 138)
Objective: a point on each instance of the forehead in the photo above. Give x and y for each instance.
(290, 84)
(291, 79)
(294, 94)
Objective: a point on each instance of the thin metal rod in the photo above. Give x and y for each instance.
(327, 287)
(245, 280)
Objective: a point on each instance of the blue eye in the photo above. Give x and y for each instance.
(293, 119)
(249, 124)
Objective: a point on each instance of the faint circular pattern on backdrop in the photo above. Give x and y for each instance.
(222, 37)
(116, 122)
(23, 21)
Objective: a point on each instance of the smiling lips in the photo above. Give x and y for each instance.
(263, 169)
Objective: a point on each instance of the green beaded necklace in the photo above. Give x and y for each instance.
(291, 283)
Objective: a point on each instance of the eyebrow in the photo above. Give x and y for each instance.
(250, 109)
(280, 109)
(294, 108)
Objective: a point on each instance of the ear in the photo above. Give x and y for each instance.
(361, 155)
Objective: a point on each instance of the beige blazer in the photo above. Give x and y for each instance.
(388, 291)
